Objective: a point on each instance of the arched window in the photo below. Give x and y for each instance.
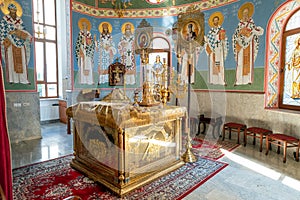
(289, 89)
(282, 28)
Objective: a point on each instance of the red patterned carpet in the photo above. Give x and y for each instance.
(211, 148)
(55, 179)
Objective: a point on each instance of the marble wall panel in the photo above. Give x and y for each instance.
(23, 116)
(249, 108)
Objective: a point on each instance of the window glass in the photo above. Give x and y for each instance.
(52, 90)
(51, 62)
(42, 90)
(293, 21)
(38, 31)
(291, 87)
(49, 12)
(38, 8)
(45, 47)
(50, 32)
(39, 60)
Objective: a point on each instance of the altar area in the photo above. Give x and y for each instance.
(123, 146)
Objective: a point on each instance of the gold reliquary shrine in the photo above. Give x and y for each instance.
(123, 146)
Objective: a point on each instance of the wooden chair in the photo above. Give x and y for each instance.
(233, 127)
(214, 120)
(256, 132)
(285, 141)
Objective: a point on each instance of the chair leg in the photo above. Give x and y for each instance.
(254, 138)
(284, 151)
(260, 142)
(267, 145)
(238, 139)
(245, 138)
(297, 153)
(223, 133)
(278, 148)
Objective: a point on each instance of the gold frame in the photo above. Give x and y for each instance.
(144, 29)
(195, 18)
(116, 73)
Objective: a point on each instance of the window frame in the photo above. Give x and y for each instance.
(285, 34)
(43, 40)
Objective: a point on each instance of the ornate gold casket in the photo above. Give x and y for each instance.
(124, 147)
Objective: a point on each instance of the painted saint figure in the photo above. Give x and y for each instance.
(143, 41)
(126, 50)
(294, 65)
(107, 51)
(216, 49)
(85, 48)
(15, 45)
(191, 34)
(157, 70)
(246, 44)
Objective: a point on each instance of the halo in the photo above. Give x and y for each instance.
(215, 14)
(109, 27)
(84, 20)
(124, 25)
(248, 5)
(5, 10)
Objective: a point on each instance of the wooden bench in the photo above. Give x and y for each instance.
(214, 120)
(256, 132)
(285, 141)
(233, 127)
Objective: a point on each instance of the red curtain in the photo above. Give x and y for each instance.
(5, 159)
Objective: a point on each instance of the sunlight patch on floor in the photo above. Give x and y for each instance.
(286, 180)
(252, 165)
(293, 183)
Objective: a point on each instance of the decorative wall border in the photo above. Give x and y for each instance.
(154, 12)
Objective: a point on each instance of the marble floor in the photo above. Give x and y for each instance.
(250, 174)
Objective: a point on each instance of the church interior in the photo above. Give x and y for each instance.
(129, 88)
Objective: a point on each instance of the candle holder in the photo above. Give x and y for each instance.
(188, 155)
(164, 95)
(148, 97)
(135, 98)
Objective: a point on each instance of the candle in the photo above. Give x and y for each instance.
(143, 53)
